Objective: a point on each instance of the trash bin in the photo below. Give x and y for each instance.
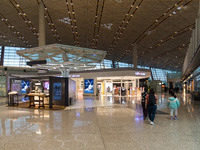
(196, 96)
(70, 100)
(11, 98)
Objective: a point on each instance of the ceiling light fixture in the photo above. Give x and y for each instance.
(155, 24)
(73, 22)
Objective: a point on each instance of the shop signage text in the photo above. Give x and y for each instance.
(74, 76)
(140, 74)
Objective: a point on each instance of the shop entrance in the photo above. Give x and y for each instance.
(118, 86)
(109, 86)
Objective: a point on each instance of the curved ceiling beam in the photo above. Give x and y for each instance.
(169, 13)
(97, 25)
(15, 31)
(123, 26)
(71, 13)
(50, 23)
(24, 16)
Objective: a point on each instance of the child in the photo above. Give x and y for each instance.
(173, 104)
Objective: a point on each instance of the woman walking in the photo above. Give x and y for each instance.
(151, 105)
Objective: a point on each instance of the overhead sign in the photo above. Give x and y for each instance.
(38, 83)
(140, 73)
(74, 76)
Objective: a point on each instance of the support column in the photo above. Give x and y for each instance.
(113, 63)
(2, 55)
(134, 87)
(198, 26)
(137, 83)
(195, 36)
(135, 56)
(42, 40)
(64, 72)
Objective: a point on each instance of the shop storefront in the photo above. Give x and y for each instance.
(192, 84)
(110, 82)
(43, 91)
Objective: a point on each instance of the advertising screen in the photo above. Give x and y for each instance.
(89, 86)
(16, 87)
(46, 85)
(57, 91)
(25, 85)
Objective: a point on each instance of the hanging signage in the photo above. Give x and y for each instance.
(38, 83)
(74, 76)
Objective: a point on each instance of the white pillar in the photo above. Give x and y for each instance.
(42, 40)
(134, 86)
(195, 36)
(64, 72)
(121, 88)
(135, 56)
(198, 26)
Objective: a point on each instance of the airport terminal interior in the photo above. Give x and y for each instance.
(99, 75)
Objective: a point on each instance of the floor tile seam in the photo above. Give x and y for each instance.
(67, 134)
(86, 107)
(100, 132)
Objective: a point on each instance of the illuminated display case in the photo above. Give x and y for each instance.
(62, 91)
(3, 87)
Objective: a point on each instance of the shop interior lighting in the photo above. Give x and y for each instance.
(155, 24)
(72, 17)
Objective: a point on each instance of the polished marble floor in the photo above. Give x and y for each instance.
(101, 123)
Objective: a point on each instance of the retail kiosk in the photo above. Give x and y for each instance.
(44, 90)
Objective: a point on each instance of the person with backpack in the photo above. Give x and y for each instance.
(144, 94)
(173, 103)
(151, 105)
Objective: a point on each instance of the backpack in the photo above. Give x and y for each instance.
(144, 94)
(152, 99)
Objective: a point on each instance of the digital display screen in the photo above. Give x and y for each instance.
(57, 89)
(46, 85)
(89, 86)
(16, 87)
(25, 85)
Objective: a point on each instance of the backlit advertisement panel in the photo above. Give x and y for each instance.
(89, 86)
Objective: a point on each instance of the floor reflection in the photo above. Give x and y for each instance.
(94, 122)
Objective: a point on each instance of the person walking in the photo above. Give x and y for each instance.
(173, 103)
(151, 105)
(144, 94)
